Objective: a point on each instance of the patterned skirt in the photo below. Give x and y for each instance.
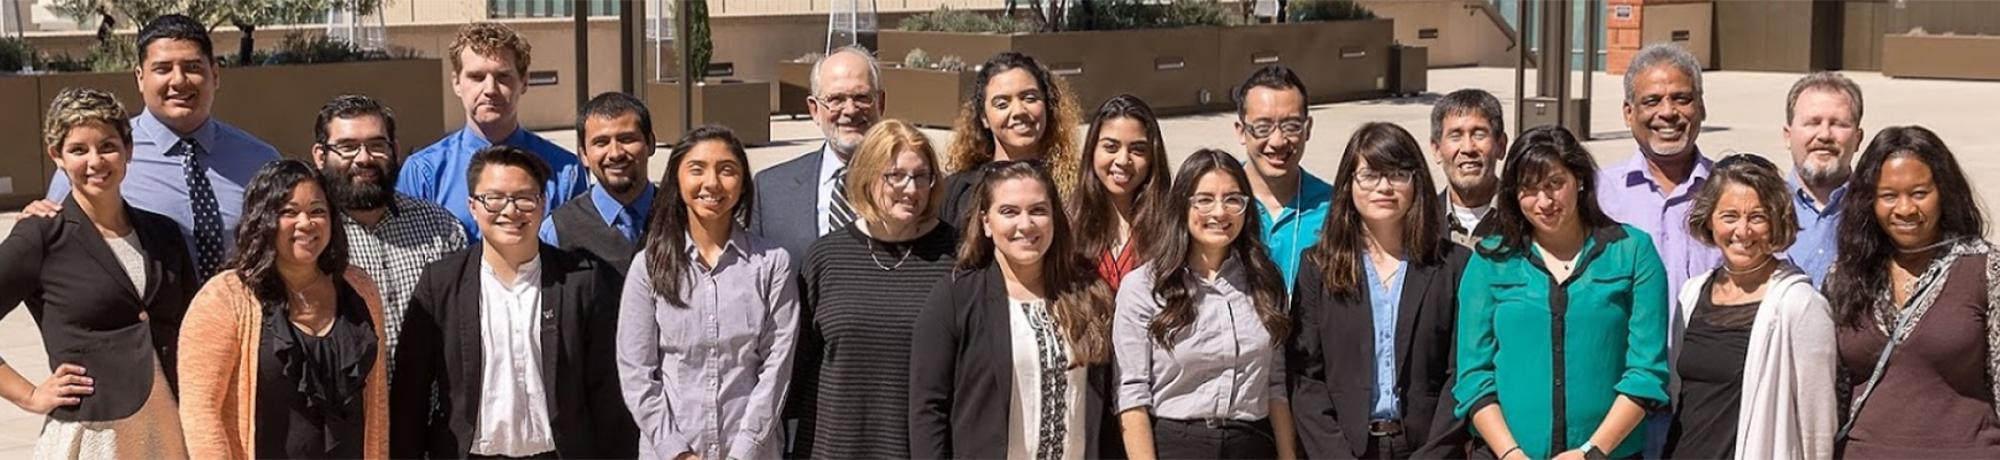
(152, 433)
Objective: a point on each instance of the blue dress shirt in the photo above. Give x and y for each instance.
(1296, 227)
(1386, 302)
(1816, 246)
(630, 221)
(155, 182)
(437, 172)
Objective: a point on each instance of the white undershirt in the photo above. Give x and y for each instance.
(513, 410)
(1468, 218)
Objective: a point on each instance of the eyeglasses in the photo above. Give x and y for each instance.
(1293, 128)
(496, 203)
(1370, 178)
(1233, 203)
(348, 150)
(832, 102)
(900, 179)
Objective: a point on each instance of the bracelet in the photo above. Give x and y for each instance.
(1503, 455)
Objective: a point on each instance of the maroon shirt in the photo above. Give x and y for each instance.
(1933, 400)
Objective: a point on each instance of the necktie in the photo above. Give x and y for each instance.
(627, 224)
(207, 214)
(841, 214)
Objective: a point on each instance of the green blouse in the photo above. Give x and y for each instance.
(1555, 356)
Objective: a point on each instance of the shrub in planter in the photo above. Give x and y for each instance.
(1326, 10)
(950, 20)
(15, 54)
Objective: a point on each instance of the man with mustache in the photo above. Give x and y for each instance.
(615, 132)
(846, 101)
(186, 164)
(1656, 189)
(489, 73)
(1468, 137)
(1272, 123)
(1822, 130)
(390, 235)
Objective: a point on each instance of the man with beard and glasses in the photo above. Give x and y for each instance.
(1468, 137)
(391, 236)
(1822, 130)
(1656, 189)
(615, 132)
(801, 199)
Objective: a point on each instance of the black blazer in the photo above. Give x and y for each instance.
(788, 205)
(1332, 360)
(961, 368)
(87, 309)
(441, 348)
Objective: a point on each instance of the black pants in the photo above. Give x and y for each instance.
(1221, 439)
(551, 455)
(1387, 447)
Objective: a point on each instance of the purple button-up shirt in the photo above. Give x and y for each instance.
(1627, 192)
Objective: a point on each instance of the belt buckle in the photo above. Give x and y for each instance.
(1383, 427)
(1212, 423)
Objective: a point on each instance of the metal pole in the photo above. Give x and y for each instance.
(1520, 65)
(580, 10)
(630, 33)
(683, 25)
(1594, 19)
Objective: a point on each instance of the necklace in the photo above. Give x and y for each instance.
(1927, 248)
(1746, 271)
(899, 260)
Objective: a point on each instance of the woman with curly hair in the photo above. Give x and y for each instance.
(1017, 111)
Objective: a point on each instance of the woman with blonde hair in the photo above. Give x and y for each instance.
(1017, 111)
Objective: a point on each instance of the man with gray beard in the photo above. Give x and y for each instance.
(1822, 130)
(801, 199)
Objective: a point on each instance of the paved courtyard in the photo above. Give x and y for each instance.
(1745, 113)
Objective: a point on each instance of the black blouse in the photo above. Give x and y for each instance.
(309, 402)
(1711, 371)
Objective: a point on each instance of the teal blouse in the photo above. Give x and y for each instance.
(1555, 356)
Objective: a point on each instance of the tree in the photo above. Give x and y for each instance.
(703, 47)
(245, 15)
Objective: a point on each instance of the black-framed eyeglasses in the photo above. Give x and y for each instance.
(1291, 127)
(347, 151)
(1371, 178)
(1234, 203)
(900, 179)
(495, 203)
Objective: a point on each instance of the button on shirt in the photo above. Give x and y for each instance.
(1226, 366)
(1386, 302)
(709, 377)
(1816, 247)
(155, 182)
(394, 252)
(629, 220)
(437, 172)
(1628, 193)
(514, 411)
(1288, 232)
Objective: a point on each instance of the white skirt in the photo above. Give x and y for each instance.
(154, 432)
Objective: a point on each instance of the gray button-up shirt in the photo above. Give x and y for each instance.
(1226, 367)
(709, 378)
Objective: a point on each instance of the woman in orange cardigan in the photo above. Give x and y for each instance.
(282, 354)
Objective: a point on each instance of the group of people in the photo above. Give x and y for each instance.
(1026, 291)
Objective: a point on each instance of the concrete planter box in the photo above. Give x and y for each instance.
(1412, 70)
(1338, 60)
(930, 98)
(743, 106)
(1940, 56)
(24, 168)
(788, 97)
(278, 104)
(1172, 69)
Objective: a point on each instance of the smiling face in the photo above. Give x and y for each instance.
(1741, 226)
(1275, 154)
(304, 225)
(487, 88)
(1212, 229)
(178, 83)
(1122, 157)
(848, 102)
(508, 226)
(711, 181)
(1906, 202)
(1016, 111)
(1382, 195)
(616, 151)
(1467, 148)
(368, 179)
(93, 157)
(1822, 136)
(901, 203)
(1019, 221)
(1550, 203)
(1665, 112)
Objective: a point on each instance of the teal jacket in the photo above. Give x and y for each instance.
(1555, 356)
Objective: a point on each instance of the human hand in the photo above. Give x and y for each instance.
(66, 388)
(41, 208)
(688, 456)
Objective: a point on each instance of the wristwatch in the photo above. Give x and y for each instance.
(1591, 452)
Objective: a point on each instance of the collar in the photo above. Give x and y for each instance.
(148, 127)
(1230, 274)
(470, 139)
(739, 243)
(1636, 173)
(1311, 190)
(608, 207)
(828, 163)
(527, 272)
(1804, 196)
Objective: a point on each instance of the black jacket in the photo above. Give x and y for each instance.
(961, 367)
(87, 309)
(1332, 360)
(441, 350)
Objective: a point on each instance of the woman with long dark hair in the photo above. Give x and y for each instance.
(1121, 178)
(1911, 255)
(706, 321)
(1582, 355)
(282, 353)
(1011, 357)
(1017, 111)
(1375, 307)
(850, 387)
(1200, 327)
(107, 285)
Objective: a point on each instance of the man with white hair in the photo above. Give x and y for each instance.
(801, 199)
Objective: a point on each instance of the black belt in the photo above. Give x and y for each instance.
(1385, 427)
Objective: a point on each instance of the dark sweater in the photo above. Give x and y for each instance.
(581, 230)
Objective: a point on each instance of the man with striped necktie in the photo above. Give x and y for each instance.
(801, 199)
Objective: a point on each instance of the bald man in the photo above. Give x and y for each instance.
(797, 200)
